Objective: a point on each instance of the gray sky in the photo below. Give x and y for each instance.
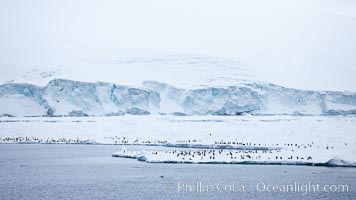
(307, 44)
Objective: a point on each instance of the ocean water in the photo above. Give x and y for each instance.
(89, 172)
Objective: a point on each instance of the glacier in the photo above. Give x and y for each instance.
(61, 97)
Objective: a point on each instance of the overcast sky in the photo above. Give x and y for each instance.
(307, 44)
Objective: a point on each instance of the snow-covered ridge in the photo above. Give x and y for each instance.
(67, 97)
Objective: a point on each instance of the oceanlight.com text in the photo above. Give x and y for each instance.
(260, 187)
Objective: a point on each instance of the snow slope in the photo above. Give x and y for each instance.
(303, 44)
(67, 97)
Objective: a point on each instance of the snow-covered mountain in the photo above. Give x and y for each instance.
(74, 98)
(303, 44)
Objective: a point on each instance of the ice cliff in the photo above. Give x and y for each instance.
(73, 98)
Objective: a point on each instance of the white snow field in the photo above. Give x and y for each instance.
(320, 137)
(302, 44)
